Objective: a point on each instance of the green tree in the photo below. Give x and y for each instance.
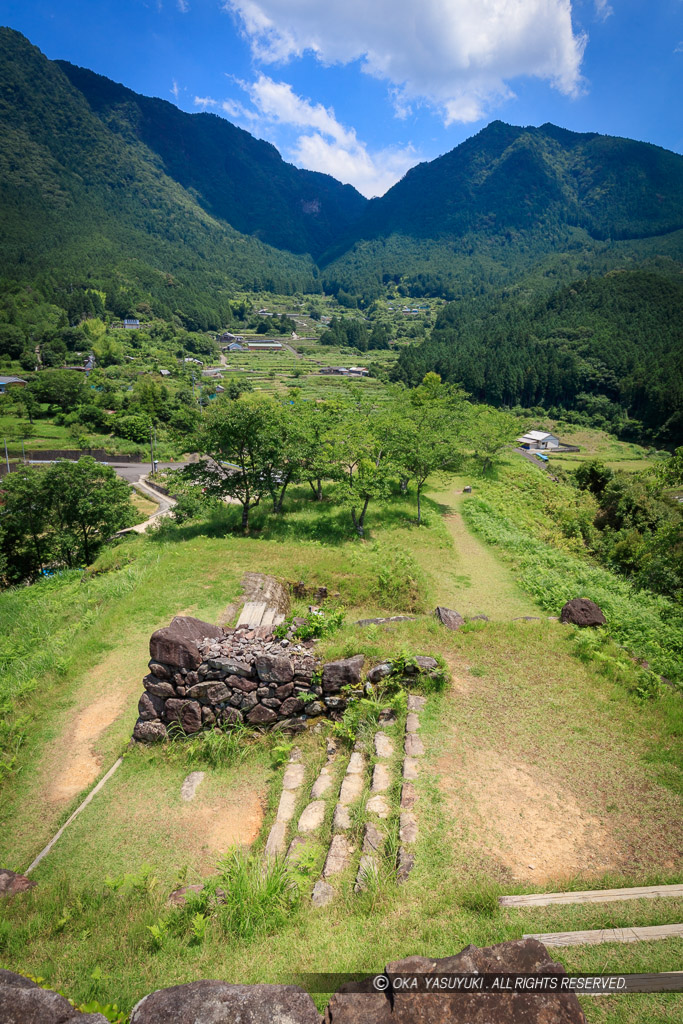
(87, 503)
(238, 464)
(64, 388)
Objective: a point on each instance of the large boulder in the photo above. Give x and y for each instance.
(208, 693)
(216, 1002)
(449, 618)
(176, 644)
(582, 612)
(342, 673)
(526, 956)
(150, 707)
(24, 1002)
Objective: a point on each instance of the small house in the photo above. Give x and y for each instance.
(538, 440)
(165, 373)
(132, 324)
(264, 346)
(235, 346)
(11, 382)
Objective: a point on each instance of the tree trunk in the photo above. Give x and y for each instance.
(359, 521)
(281, 498)
(404, 485)
(245, 516)
(419, 509)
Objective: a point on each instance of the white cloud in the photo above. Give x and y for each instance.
(326, 145)
(175, 90)
(183, 6)
(458, 55)
(679, 47)
(603, 9)
(205, 101)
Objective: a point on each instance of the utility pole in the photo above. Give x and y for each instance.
(151, 450)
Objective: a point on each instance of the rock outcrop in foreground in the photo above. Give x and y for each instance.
(216, 1002)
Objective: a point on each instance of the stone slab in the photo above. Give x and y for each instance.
(414, 747)
(373, 839)
(338, 856)
(410, 768)
(294, 776)
(351, 789)
(287, 805)
(356, 764)
(412, 722)
(381, 779)
(342, 819)
(323, 894)
(384, 747)
(408, 796)
(275, 844)
(379, 806)
(189, 786)
(322, 784)
(312, 816)
(408, 828)
(416, 702)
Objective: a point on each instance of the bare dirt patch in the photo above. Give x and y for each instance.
(74, 763)
(532, 827)
(232, 821)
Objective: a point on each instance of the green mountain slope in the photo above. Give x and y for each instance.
(235, 177)
(611, 346)
(78, 200)
(488, 211)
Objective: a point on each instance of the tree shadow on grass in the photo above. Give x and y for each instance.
(304, 520)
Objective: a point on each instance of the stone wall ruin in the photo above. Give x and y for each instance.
(201, 675)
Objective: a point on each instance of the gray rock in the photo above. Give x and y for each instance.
(379, 806)
(342, 673)
(272, 702)
(150, 707)
(381, 779)
(408, 796)
(372, 838)
(406, 863)
(379, 672)
(231, 716)
(277, 669)
(149, 732)
(412, 722)
(231, 667)
(216, 1002)
(187, 713)
(408, 828)
(24, 1002)
(176, 644)
(208, 693)
(449, 618)
(342, 819)
(416, 702)
(411, 768)
(208, 718)
(314, 708)
(249, 700)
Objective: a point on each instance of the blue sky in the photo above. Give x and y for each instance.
(364, 89)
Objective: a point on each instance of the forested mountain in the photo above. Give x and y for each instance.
(83, 204)
(485, 214)
(235, 177)
(611, 346)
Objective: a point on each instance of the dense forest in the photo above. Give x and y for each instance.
(609, 346)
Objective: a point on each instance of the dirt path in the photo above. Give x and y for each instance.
(474, 581)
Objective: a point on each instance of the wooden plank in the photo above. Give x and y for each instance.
(252, 613)
(268, 616)
(544, 899)
(600, 935)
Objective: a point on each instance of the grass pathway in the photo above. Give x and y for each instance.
(473, 579)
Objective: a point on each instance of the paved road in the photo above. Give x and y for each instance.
(132, 471)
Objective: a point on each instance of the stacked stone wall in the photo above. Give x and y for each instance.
(201, 676)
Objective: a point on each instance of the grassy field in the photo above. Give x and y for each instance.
(540, 774)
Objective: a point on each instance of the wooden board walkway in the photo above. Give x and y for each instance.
(258, 613)
(545, 899)
(600, 935)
